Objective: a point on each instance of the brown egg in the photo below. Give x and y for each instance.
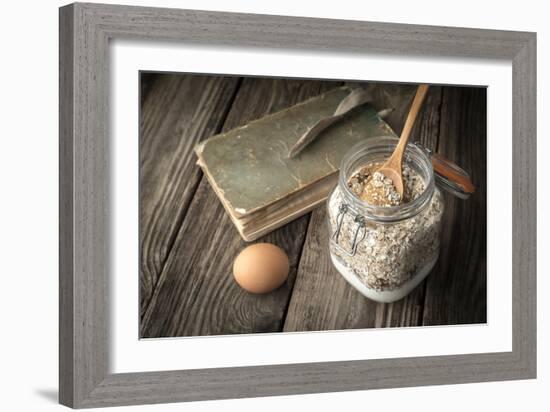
(261, 268)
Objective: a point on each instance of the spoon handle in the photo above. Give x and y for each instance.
(397, 156)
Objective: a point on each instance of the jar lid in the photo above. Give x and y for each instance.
(449, 176)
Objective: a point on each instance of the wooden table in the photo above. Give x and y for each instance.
(188, 244)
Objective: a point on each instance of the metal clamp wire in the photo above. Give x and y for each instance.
(361, 224)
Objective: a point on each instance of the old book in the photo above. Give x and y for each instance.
(260, 187)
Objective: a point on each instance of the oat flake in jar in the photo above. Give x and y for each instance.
(385, 251)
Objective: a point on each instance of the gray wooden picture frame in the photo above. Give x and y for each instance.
(85, 31)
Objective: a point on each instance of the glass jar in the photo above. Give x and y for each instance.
(384, 251)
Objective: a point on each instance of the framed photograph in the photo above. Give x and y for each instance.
(256, 205)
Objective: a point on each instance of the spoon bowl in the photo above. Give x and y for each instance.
(396, 176)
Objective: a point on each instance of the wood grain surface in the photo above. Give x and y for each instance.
(196, 293)
(176, 113)
(456, 291)
(188, 243)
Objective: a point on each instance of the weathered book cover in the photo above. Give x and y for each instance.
(249, 165)
(262, 188)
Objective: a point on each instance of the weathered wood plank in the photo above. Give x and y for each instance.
(146, 83)
(456, 291)
(322, 299)
(176, 112)
(196, 294)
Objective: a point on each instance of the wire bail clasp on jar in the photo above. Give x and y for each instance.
(361, 227)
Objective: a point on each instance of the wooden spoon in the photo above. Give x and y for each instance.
(393, 168)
